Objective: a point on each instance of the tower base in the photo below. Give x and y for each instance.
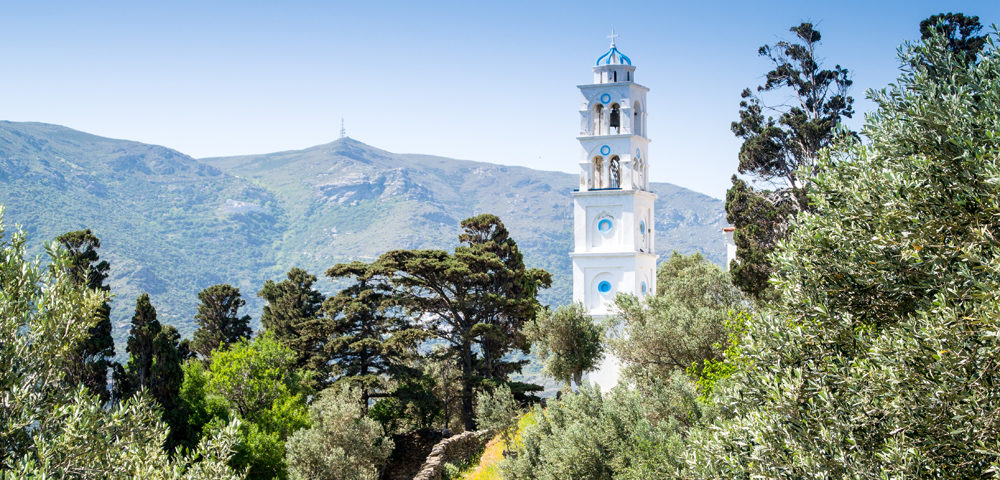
(607, 373)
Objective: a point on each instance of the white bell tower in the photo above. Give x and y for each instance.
(613, 208)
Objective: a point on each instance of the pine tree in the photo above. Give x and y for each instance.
(480, 294)
(370, 338)
(506, 297)
(293, 316)
(91, 358)
(219, 320)
(958, 30)
(782, 151)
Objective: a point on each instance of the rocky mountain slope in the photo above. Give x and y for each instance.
(172, 225)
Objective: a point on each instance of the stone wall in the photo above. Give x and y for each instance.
(451, 449)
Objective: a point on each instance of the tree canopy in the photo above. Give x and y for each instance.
(782, 152)
(679, 327)
(371, 339)
(567, 340)
(482, 294)
(880, 356)
(154, 365)
(220, 323)
(51, 429)
(92, 356)
(958, 30)
(293, 316)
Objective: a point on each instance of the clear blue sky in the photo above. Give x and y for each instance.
(488, 81)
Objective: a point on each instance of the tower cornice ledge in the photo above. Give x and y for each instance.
(614, 254)
(621, 135)
(598, 86)
(614, 192)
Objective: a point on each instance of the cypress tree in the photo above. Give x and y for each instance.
(219, 320)
(144, 329)
(155, 357)
(165, 378)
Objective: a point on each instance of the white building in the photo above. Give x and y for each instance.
(730, 245)
(613, 208)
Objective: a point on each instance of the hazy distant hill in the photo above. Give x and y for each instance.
(172, 225)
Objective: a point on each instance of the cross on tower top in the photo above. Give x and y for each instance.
(613, 36)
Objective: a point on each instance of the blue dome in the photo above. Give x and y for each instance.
(614, 57)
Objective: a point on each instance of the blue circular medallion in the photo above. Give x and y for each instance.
(638, 154)
(643, 287)
(604, 225)
(605, 98)
(605, 150)
(604, 287)
(642, 227)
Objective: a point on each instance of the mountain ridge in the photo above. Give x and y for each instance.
(172, 224)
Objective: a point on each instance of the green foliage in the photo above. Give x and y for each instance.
(482, 294)
(568, 341)
(92, 358)
(440, 367)
(422, 405)
(589, 435)
(256, 383)
(259, 382)
(197, 407)
(505, 292)
(880, 359)
(341, 444)
(782, 150)
(293, 316)
(498, 412)
(682, 325)
(165, 379)
(220, 324)
(49, 429)
(123, 443)
(959, 30)
(711, 371)
(761, 219)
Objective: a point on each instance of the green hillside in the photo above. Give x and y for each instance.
(347, 200)
(172, 225)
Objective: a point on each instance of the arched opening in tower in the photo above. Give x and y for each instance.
(616, 118)
(598, 119)
(598, 174)
(637, 118)
(614, 173)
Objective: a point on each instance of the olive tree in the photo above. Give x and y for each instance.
(679, 327)
(881, 358)
(341, 444)
(567, 341)
(51, 429)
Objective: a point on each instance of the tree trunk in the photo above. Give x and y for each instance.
(467, 419)
(578, 378)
